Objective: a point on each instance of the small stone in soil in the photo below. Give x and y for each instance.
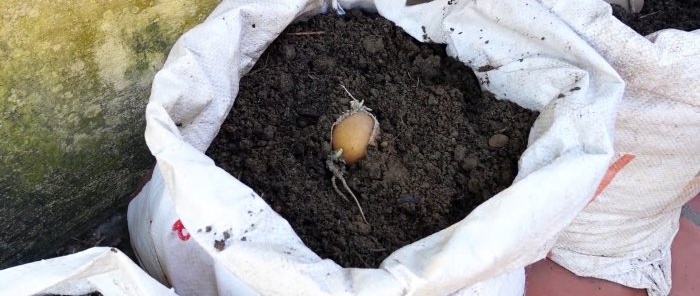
(469, 163)
(373, 44)
(460, 152)
(498, 141)
(289, 52)
(409, 198)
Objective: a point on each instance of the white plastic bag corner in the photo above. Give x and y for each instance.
(99, 269)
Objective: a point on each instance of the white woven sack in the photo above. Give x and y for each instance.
(188, 223)
(625, 235)
(99, 269)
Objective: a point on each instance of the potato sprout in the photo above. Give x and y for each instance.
(351, 133)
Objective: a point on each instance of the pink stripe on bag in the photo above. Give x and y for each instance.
(614, 168)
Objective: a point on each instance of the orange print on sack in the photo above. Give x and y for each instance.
(614, 168)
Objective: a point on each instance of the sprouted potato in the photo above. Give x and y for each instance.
(351, 133)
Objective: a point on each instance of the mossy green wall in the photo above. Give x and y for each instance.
(74, 82)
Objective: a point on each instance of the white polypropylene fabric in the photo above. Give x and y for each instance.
(625, 235)
(534, 59)
(100, 269)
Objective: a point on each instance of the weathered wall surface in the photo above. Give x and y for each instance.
(74, 81)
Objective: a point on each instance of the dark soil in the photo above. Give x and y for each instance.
(444, 147)
(662, 14)
(656, 15)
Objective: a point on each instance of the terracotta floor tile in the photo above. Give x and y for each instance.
(686, 260)
(546, 278)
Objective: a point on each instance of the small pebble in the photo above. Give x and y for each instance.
(473, 185)
(432, 101)
(469, 163)
(384, 144)
(460, 152)
(289, 52)
(269, 132)
(409, 198)
(285, 82)
(498, 141)
(373, 44)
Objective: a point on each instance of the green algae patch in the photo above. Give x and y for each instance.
(74, 82)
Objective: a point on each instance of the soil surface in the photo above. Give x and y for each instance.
(656, 15)
(662, 14)
(444, 147)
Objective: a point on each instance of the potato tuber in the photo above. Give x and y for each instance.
(351, 133)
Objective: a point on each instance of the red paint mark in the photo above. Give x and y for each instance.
(182, 233)
(614, 168)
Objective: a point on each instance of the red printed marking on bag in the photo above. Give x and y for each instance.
(614, 168)
(182, 233)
